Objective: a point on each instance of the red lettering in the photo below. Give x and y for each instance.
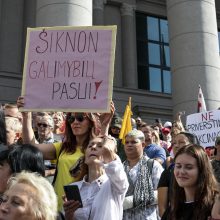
(207, 116)
(204, 116)
(210, 116)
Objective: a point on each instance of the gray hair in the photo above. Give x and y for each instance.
(49, 120)
(136, 134)
(13, 124)
(45, 205)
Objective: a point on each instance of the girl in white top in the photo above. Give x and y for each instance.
(103, 189)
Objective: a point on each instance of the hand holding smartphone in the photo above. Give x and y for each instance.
(72, 193)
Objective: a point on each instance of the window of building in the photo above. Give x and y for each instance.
(153, 54)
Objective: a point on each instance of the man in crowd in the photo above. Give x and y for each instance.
(151, 149)
(138, 122)
(115, 126)
(143, 176)
(166, 133)
(114, 131)
(11, 110)
(45, 127)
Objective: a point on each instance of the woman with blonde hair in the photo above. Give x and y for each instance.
(156, 137)
(14, 129)
(29, 196)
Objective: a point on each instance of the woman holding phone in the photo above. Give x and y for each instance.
(103, 189)
(80, 128)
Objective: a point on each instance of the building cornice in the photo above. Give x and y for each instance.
(11, 75)
(153, 2)
(142, 92)
(99, 4)
(127, 9)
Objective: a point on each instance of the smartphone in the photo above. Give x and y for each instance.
(72, 193)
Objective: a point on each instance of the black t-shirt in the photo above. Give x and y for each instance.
(185, 212)
(165, 177)
(166, 180)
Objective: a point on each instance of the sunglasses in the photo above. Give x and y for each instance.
(41, 124)
(78, 117)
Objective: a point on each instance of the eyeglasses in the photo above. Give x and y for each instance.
(41, 124)
(78, 117)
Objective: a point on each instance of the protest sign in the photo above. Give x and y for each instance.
(69, 69)
(205, 125)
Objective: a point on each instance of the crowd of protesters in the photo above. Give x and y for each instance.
(161, 172)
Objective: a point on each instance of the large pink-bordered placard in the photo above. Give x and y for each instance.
(69, 69)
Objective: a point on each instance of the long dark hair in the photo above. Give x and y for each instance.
(206, 185)
(3, 137)
(69, 145)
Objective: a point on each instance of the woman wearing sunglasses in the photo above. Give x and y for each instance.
(80, 128)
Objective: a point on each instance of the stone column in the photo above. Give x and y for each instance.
(129, 57)
(29, 19)
(11, 37)
(98, 12)
(194, 53)
(30, 13)
(64, 13)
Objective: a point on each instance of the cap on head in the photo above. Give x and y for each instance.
(165, 130)
(116, 122)
(167, 124)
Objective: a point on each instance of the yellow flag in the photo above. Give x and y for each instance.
(126, 123)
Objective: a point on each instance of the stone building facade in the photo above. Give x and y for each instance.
(165, 49)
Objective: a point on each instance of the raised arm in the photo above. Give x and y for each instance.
(178, 120)
(113, 166)
(48, 150)
(105, 119)
(162, 200)
(163, 191)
